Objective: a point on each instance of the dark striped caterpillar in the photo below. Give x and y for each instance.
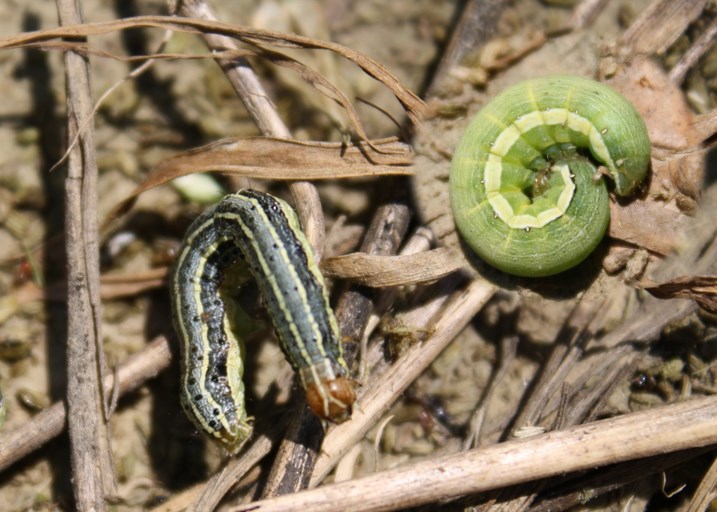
(252, 235)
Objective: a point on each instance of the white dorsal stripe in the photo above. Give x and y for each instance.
(504, 142)
(505, 212)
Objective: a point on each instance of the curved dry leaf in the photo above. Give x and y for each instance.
(281, 159)
(382, 271)
(677, 161)
(310, 76)
(414, 106)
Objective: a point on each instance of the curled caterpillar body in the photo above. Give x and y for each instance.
(525, 192)
(252, 233)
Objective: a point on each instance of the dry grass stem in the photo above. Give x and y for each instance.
(705, 493)
(659, 430)
(259, 105)
(92, 468)
(697, 50)
(415, 108)
(672, 16)
(376, 398)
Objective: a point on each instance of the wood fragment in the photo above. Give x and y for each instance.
(385, 271)
(475, 27)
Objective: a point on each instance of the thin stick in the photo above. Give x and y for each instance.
(474, 28)
(262, 110)
(221, 483)
(580, 492)
(567, 349)
(691, 56)
(659, 430)
(706, 491)
(92, 468)
(381, 393)
(50, 423)
(585, 13)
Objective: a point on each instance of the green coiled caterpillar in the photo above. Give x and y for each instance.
(525, 191)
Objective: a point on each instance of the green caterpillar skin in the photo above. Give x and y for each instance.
(525, 191)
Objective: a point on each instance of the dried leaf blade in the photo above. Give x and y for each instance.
(701, 289)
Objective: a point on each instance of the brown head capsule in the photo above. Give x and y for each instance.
(331, 399)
